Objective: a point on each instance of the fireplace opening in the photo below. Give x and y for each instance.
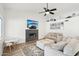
(32, 35)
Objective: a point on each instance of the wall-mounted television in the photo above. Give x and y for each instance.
(32, 24)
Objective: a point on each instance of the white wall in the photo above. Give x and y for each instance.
(1, 10)
(71, 28)
(15, 24)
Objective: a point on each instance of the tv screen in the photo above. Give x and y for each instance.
(32, 24)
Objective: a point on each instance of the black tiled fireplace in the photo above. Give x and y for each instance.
(31, 34)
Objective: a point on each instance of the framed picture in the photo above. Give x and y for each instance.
(58, 25)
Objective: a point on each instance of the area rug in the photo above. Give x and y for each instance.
(32, 50)
(26, 49)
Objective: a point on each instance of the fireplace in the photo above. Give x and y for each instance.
(31, 34)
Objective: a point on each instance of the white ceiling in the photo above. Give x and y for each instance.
(39, 6)
(62, 8)
(29, 7)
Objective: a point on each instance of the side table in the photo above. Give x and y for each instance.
(9, 44)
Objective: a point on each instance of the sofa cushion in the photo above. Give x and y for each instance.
(54, 36)
(59, 46)
(51, 36)
(48, 51)
(41, 43)
(67, 39)
(72, 47)
(59, 37)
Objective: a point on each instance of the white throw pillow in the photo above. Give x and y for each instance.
(48, 51)
(59, 46)
(72, 47)
(59, 38)
(67, 39)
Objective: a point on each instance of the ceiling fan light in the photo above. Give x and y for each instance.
(47, 12)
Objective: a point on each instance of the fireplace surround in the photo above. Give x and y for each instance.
(31, 34)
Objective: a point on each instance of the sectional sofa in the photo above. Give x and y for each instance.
(55, 44)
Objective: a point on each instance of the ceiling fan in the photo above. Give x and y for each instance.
(47, 10)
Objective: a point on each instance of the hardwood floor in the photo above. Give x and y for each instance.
(15, 48)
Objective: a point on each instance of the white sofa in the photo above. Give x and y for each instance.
(50, 38)
(1, 47)
(55, 44)
(63, 48)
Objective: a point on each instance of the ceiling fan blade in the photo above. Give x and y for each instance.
(53, 9)
(42, 12)
(51, 13)
(45, 14)
(45, 8)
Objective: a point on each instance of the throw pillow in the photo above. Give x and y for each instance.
(72, 47)
(59, 37)
(59, 46)
(67, 39)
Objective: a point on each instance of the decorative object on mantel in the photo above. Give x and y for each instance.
(47, 20)
(51, 20)
(73, 14)
(66, 20)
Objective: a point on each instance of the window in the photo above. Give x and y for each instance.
(0, 27)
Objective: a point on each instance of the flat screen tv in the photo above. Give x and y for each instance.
(32, 24)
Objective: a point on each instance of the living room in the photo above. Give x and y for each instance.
(55, 25)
